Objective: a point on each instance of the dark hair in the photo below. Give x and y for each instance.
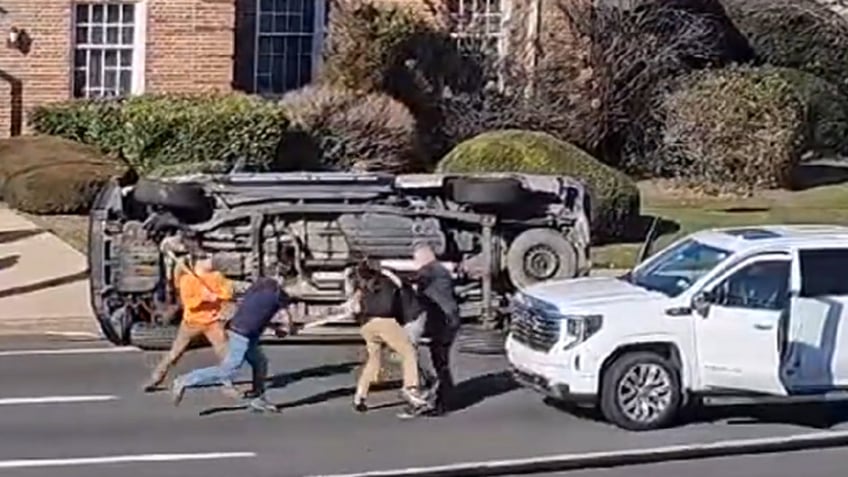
(366, 276)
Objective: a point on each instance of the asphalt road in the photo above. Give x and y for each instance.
(80, 413)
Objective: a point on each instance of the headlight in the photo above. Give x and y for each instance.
(579, 328)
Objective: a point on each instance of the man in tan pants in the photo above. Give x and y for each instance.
(203, 295)
(376, 332)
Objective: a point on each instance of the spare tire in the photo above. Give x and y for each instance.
(481, 191)
(540, 254)
(172, 195)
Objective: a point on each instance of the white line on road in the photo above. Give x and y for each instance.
(67, 351)
(121, 459)
(594, 460)
(55, 399)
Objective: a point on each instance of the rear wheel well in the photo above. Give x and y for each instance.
(668, 351)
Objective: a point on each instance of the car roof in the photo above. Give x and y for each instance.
(773, 237)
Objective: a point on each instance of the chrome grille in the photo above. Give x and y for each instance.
(534, 327)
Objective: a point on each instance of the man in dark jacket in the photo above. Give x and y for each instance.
(262, 302)
(436, 294)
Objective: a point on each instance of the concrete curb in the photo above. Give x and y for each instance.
(595, 460)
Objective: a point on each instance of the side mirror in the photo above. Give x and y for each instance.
(702, 301)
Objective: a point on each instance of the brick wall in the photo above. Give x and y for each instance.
(190, 47)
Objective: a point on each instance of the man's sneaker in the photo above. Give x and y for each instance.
(177, 391)
(414, 397)
(412, 412)
(260, 405)
(359, 405)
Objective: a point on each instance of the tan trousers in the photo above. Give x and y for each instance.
(380, 331)
(214, 332)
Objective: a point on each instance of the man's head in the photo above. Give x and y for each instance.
(423, 254)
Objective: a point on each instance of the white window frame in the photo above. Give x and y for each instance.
(503, 32)
(318, 36)
(138, 46)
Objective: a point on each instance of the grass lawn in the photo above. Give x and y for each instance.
(827, 204)
(73, 229)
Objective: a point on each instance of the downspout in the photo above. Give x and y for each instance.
(534, 20)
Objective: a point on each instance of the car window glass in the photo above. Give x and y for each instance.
(824, 272)
(677, 268)
(761, 285)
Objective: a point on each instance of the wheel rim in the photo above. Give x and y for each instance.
(541, 262)
(644, 393)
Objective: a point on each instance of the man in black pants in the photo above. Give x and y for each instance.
(435, 292)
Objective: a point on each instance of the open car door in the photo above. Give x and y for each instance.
(815, 355)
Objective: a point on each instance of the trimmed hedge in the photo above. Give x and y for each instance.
(157, 133)
(346, 130)
(49, 175)
(746, 128)
(616, 195)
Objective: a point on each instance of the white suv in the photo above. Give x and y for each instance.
(728, 315)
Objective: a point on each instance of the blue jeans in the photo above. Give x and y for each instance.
(239, 350)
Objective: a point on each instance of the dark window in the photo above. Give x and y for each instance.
(824, 272)
(761, 285)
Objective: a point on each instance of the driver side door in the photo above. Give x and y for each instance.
(737, 326)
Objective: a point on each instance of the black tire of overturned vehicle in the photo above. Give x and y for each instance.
(180, 196)
(558, 255)
(485, 192)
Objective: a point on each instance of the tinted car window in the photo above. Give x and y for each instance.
(824, 272)
(762, 285)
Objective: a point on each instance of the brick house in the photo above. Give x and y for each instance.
(53, 50)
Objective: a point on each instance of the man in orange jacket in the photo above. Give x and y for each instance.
(203, 295)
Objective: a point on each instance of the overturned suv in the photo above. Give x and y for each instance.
(496, 232)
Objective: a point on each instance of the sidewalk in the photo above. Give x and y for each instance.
(43, 281)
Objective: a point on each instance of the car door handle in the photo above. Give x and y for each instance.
(764, 326)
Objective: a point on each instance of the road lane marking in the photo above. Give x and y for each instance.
(122, 459)
(55, 399)
(67, 351)
(609, 459)
(73, 334)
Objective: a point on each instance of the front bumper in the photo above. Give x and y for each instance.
(551, 375)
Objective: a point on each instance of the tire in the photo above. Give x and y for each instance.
(612, 404)
(538, 255)
(180, 196)
(485, 192)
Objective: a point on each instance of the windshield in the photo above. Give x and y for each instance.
(675, 269)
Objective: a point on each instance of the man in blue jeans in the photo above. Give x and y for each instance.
(262, 302)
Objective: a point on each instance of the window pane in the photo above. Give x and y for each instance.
(79, 59)
(283, 5)
(305, 70)
(111, 59)
(264, 64)
(112, 35)
(97, 35)
(126, 82)
(761, 285)
(266, 23)
(95, 71)
(81, 36)
(129, 13)
(266, 6)
(110, 80)
(97, 13)
(263, 84)
(127, 35)
(126, 58)
(824, 272)
(82, 13)
(79, 83)
(113, 13)
(294, 24)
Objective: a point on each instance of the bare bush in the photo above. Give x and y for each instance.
(351, 130)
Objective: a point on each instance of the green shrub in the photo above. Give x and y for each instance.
(741, 129)
(48, 175)
(348, 130)
(163, 132)
(616, 196)
(826, 113)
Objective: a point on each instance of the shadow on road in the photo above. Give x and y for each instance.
(43, 285)
(9, 236)
(479, 388)
(9, 261)
(323, 371)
